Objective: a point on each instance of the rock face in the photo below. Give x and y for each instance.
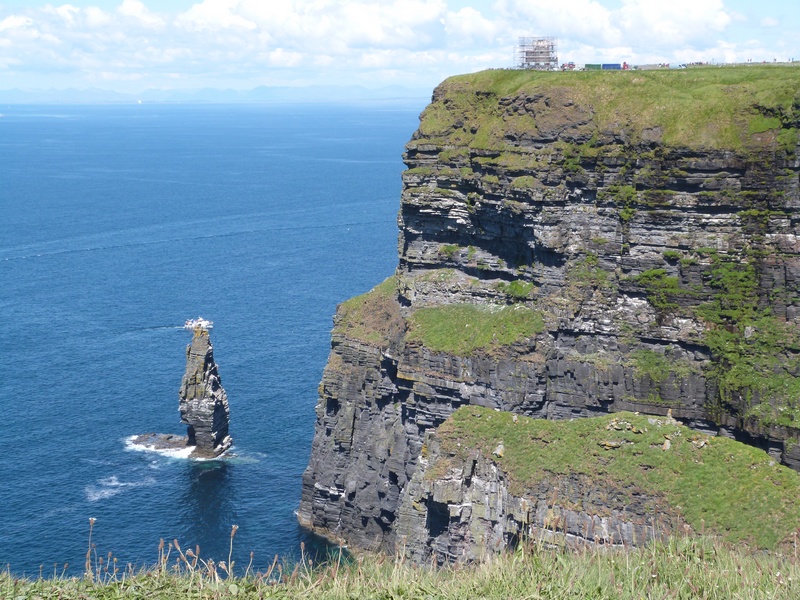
(657, 247)
(203, 402)
(469, 512)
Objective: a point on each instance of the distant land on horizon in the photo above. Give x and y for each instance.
(265, 94)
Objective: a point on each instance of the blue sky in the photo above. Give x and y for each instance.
(132, 45)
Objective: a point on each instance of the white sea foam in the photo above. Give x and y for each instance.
(226, 454)
(94, 494)
(180, 453)
(246, 458)
(131, 445)
(111, 486)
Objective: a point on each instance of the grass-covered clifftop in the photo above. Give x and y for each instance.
(712, 107)
(714, 484)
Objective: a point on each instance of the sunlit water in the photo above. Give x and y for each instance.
(118, 224)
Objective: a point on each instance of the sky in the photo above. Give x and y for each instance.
(134, 45)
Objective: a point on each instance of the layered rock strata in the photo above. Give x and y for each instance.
(487, 480)
(650, 221)
(203, 401)
(465, 508)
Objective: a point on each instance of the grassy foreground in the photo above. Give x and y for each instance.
(682, 568)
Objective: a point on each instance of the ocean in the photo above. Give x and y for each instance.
(119, 222)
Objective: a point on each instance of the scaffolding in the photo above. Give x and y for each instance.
(537, 53)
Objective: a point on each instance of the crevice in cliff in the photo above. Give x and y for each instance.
(438, 519)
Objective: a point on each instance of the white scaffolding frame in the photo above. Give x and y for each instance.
(539, 53)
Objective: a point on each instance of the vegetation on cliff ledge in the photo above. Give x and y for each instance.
(373, 317)
(714, 483)
(755, 354)
(461, 329)
(726, 108)
(464, 328)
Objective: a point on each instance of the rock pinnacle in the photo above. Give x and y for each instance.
(203, 401)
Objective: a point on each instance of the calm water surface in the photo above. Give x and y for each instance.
(120, 222)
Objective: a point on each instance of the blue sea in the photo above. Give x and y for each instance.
(118, 223)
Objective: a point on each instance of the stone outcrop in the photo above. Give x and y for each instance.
(660, 252)
(469, 511)
(203, 401)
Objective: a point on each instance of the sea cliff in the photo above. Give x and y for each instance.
(571, 245)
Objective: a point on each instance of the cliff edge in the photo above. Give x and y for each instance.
(571, 245)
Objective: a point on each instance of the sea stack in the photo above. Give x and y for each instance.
(203, 402)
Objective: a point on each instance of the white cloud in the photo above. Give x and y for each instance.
(214, 14)
(117, 76)
(641, 25)
(96, 18)
(15, 22)
(313, 25)
(283, 58)
(323, 60)
(66, 12)
(676, 23)
(578, 19)
(134, 9)
(252, 42)
(468, 25)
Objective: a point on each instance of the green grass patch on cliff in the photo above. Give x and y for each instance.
(756, 356)
(656, 366)
(517, 289)
(588, 272)
(755, 368)
(464, 328)
(715, 484)
(762, 123)
(661, 288)
(525, 182)
(449, 250)
(373, 317)
(700, 108)
(660, 370)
